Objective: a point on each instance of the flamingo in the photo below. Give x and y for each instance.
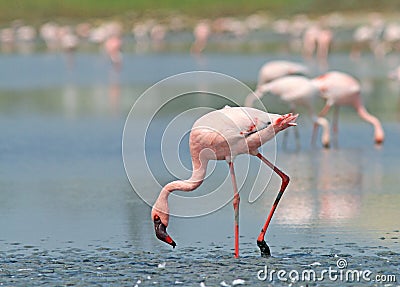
(295, 90)
(201, 33)
(341, 89)
(317, 39)
(222, 135)
(369, 35)
(310, 41)
(276, 69)
(112, 47)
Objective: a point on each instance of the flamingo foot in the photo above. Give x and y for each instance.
(326, 145)
(161, 232)
(265, 252)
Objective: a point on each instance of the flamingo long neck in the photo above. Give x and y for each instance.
(260, 91)
(363, 113)
(252, 97)
(161, 205)
(198, 174)
(266, 135)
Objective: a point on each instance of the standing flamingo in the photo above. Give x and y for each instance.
(317, 40)
(276, 69)
(340, 89)
(222, 135)
(296, 91)
(201, 34)
(112, 47)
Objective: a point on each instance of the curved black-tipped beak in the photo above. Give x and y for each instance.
(161, 232)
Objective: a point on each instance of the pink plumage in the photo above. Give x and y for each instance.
(222, 135)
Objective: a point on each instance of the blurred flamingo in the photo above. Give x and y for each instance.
(112, 47)
(275, 69)
(317, 40)
(201, 34)
(369, 35)
(296, 91)
(340, 89)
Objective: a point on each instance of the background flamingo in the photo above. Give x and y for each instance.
(222, 135)
(276, 69)
(296, 91)
(340, 89)
(112, 47)
(201, 34)
(317, 40)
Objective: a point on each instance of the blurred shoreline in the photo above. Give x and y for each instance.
(72, 10)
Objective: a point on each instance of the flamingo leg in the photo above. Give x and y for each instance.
(265, 252)
(335, 124)
(236, 200)
(322, 113)
(335, 119)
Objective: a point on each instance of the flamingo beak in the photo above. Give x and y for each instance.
(293, 119)
(161, 232)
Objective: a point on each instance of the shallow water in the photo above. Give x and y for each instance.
(68, 215)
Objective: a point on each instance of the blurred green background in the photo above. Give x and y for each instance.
(43, 10)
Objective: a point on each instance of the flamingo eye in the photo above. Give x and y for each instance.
(268, 123)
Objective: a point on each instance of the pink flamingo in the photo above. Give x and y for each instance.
(317, 40)
(276, 69)
(325, 37)
(222, 135)
(310, 41)
(296, 91)
(340, 89)
(112, 47)
(201, 33)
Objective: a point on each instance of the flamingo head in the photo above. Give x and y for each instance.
(161, 231)
(379, 134)
(282, 122)
(379, 139)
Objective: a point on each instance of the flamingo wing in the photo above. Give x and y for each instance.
(235, 122)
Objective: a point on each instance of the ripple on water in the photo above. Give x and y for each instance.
(187, 267)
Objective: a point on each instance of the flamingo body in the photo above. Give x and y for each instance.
(232, 131)
(296, 91)
(338, 88)
(341, 89)
(277, 69)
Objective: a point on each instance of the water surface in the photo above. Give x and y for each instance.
(68, 215)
